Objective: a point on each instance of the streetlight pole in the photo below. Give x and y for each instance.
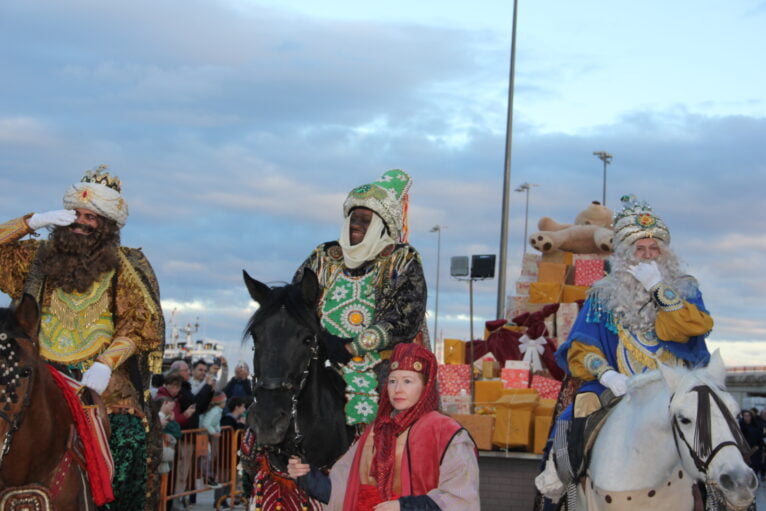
(607, 159)
(438, 230)
(525, 188)
(507, 176)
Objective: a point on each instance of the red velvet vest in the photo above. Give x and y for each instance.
(428, 439)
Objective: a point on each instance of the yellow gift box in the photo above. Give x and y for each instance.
(552, 272)
(545, 292)
(573, 293)
(487, 391)
(454, 351)
(542, 423)
(513, 418)
(480, 427)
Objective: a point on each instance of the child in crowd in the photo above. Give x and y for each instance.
(211, 421)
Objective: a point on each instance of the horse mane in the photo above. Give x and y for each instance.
(288, 297)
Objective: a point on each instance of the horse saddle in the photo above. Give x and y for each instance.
(575, 442)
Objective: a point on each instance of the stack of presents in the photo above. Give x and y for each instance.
(516, 379)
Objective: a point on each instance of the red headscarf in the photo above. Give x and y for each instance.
(409, 357)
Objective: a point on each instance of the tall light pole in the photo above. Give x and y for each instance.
(525, 188)
(607, 159)
(507, 176)
(438, 230)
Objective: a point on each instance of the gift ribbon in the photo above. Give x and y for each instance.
(532, 349)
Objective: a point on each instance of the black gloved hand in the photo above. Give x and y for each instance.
(335, 347)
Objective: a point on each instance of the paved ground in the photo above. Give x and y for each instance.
(205, 500)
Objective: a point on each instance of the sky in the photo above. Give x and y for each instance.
(238, 128)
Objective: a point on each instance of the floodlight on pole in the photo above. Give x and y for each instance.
(607, 159)
(438, 230)
(525, 188)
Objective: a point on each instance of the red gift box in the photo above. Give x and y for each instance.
(547, 388)
(453, 378)
(515, 374)
(588, 271)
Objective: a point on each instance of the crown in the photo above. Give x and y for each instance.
(99, 176)
(637, 220)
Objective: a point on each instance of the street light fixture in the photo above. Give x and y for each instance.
(438, 230)
(607, 159)
(525, 188)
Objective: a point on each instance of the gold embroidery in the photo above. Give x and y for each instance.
(78, 310)
(128, 269)
(633, 357)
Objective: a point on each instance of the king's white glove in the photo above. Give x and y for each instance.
(97, 377)
(614, 381)
(648, 274)
(58, 217)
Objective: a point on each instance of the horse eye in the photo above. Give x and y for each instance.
(308, 340)
(684, 420)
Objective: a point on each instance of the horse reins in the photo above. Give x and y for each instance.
(703, 453)
(284, 384)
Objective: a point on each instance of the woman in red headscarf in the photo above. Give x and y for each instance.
(411, 458)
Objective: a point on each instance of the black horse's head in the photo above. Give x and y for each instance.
(284, 332)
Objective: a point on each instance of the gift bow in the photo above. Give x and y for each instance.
(532, 349)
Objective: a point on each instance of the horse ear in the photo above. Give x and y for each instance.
(258, 291)
(717, 369)
(28, 314)
(310, 286)
(670, 375)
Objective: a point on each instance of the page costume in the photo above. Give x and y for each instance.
(117, 322)
(417, 456)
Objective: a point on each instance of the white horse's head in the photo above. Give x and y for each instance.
(708, 438)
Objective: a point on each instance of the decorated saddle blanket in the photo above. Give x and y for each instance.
(93, 436)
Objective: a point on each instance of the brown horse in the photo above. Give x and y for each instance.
(39, 462)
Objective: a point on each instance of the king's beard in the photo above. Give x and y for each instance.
(73, 262)
(625, 297)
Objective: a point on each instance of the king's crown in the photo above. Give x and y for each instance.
(101, 177)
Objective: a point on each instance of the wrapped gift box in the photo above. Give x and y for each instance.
(571, 294)
(565, 318)
(453, 378)
(480, 427)
(518, 305)
(547, 388)
(515, 374)
(545, 292)
(514, 420)
(522, 287)
(557, 256)
(490, 368)
(454, 351)
(542, 423)
(588, 271)
(529, 265)
(487, 391)
(551, 272)
(456, 404)
(542, 429)
(587, 257)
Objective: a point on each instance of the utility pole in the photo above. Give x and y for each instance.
(607, 159)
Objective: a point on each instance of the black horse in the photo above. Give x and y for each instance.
(299, 399)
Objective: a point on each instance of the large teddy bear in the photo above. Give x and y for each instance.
(590, 234)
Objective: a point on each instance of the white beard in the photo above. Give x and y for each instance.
(626, 298)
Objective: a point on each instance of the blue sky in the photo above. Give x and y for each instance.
(239, 127)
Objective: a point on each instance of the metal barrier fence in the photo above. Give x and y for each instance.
(203, 463)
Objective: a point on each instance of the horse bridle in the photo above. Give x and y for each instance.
(10, 378)
(286, 385)
(703, 452)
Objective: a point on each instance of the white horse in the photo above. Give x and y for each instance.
(674, 427)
